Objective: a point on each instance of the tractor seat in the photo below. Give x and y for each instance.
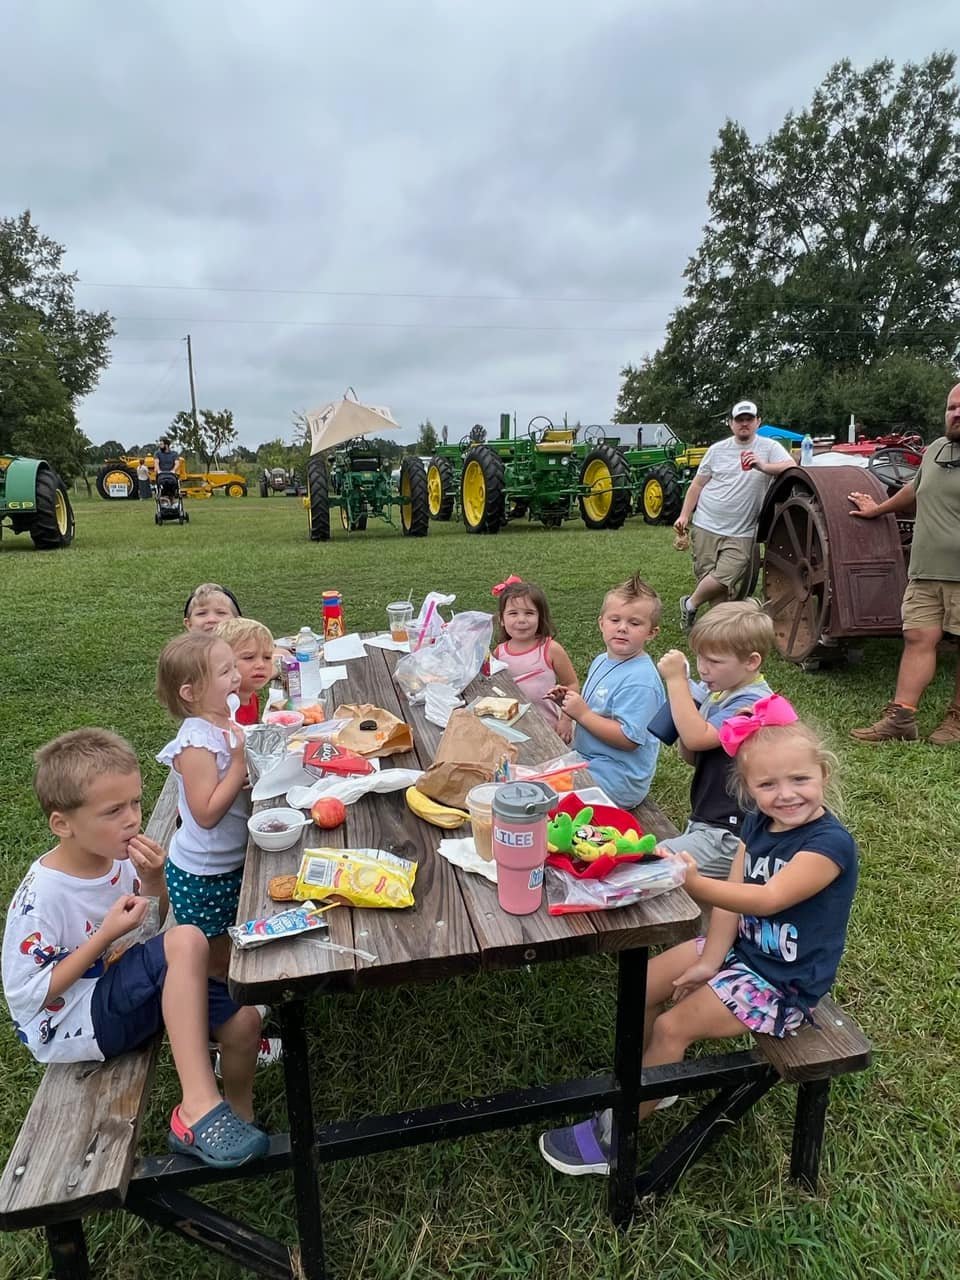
(365, 464)
(556, 441)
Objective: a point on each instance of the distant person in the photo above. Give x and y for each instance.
(143, 480)
(208, 606)
(931, 602)
(726, 494)
(166, 457)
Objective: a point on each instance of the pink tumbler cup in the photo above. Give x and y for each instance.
(520, 843)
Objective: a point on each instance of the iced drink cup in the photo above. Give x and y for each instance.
(399, 617)
(479, 801)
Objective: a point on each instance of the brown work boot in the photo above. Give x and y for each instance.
(896, 724)
(947, 732)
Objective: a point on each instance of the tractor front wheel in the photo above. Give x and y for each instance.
(357, 525)
(660, 498)
(415, 507)
(440, 491)
(481, 490)
(236, 489)
(318, 500)
(607, 477)
(53, 525)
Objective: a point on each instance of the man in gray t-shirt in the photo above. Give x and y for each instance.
(726, 496)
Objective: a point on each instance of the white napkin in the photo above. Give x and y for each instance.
(496, 665)
(350, 790)
(463, 853)
(344, 647)
(288, 773)
(386, 641)
(330, 676)
(439, 701)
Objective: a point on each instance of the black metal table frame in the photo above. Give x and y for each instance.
(158, 1189)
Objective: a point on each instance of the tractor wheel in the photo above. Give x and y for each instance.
(53, 524)
(318, 500)
(481, 490)
(660, 498)
(353, 526)
(440, 493)
(796, 576)
(264, 489)
(117, 477)
(415, 514)
(607, 476)
(236, 490)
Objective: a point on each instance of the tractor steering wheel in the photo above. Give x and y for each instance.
(536, 433)
(594, 434)
(891, 468)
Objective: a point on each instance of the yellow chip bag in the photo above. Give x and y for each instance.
(361, 877)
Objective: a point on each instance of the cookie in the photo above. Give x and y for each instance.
(281, 888)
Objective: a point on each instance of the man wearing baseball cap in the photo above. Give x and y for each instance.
(724, 502)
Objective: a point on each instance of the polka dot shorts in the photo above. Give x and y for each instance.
(209, 902)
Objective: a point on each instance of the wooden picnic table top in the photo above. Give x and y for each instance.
(456, 925)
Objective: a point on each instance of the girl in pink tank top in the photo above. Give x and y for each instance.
(534, 659)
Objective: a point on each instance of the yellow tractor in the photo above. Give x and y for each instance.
(117, 479)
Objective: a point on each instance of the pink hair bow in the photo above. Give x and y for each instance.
(765, 712)
(499, 589)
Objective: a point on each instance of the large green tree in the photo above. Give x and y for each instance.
(51, 351)
(832, 246)
(208, 437)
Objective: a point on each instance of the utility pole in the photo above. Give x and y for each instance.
(193, 390)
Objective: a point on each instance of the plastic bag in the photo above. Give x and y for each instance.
(428, 626)
(621, 887)
(558, 772)
(454, 660)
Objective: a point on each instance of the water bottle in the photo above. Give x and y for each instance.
(806, 451)
(306, 651)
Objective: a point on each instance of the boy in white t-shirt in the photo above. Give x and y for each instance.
(727, 493)
(81, 989)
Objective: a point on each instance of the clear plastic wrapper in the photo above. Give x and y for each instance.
(454, 660)
(621, 887)
(558, 772)
(148, 928)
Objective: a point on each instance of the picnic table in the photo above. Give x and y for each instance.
(456, 927)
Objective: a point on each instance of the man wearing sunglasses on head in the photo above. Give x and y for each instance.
(931, 602)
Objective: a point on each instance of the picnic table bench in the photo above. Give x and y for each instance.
(57, 1174)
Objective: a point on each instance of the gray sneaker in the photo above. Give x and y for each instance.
(688, 614)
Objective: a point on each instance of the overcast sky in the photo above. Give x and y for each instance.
(457, 208)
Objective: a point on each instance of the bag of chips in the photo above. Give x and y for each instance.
(360, 877)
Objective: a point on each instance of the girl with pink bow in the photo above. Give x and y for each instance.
(535, 662)
(778, 925)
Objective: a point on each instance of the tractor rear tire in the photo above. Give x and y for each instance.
(415, 514)
(125, 474)
(440, 491)
(318, 493)
(481, 490)
(53, 525)
(661, 498)
(607, 475)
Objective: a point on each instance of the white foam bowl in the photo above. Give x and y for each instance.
(274, 841)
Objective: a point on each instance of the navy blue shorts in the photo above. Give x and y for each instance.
(126, 1006)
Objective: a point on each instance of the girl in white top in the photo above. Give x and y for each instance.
(204, 868)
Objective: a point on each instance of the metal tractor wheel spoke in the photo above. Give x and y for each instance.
(796, 576)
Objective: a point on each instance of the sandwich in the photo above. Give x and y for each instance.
(499, 708)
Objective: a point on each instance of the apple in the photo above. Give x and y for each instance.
(328, 812)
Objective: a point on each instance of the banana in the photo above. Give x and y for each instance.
(439, 814)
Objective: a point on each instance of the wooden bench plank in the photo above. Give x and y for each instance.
(834, 1047)
(75, 1150)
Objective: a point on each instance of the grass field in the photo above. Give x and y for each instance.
(81, 634)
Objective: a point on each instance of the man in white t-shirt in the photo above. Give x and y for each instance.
(726, 494)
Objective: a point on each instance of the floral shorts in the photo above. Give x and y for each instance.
(209, 902)
(757, 1003)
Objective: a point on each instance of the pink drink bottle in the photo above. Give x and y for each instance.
(520, 843)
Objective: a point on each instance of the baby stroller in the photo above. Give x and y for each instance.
(169, 499)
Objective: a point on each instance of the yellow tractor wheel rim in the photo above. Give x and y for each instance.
(60, 513)
(474, 493)
(234, 490)
(406, 510)
(599, 481)
(653, 498)
(434, 490)
(118, 477)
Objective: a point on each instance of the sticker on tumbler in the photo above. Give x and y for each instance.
(516, 839)
(536, 878)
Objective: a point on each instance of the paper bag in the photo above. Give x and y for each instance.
(389, 738)
(469, 753)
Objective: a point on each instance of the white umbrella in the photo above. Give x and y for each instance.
(342, 420)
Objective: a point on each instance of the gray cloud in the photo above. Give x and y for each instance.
(502, 155)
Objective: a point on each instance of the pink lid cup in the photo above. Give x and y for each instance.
(520, 843)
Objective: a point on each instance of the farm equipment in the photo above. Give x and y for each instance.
(117, 479)
(281, 480)
(34, 500)
(549, 474)
(353, 476)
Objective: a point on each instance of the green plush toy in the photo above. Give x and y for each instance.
(632, 843)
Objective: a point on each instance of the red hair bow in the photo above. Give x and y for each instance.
(499, 589)
(765, 712)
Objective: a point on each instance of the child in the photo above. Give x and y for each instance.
(730, 642)
(525, 642)
(76, 995)
(621, 693)
(778, 926)
(252, 646)
(208, 605)
(204, 871)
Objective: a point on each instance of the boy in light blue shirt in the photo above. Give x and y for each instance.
(620, 695)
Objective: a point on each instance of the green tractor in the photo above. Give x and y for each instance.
(661, 468)
(353, 476)
(34, 500)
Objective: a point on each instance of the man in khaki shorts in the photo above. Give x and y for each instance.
(726, 494)
(931, 602)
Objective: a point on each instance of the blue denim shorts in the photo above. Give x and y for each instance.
(209, 902)
(126, 1005)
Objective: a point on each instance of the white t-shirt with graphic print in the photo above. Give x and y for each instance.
(730, 504)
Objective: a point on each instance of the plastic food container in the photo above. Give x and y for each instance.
(284, 719)
(479, 802)
(289, 824)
